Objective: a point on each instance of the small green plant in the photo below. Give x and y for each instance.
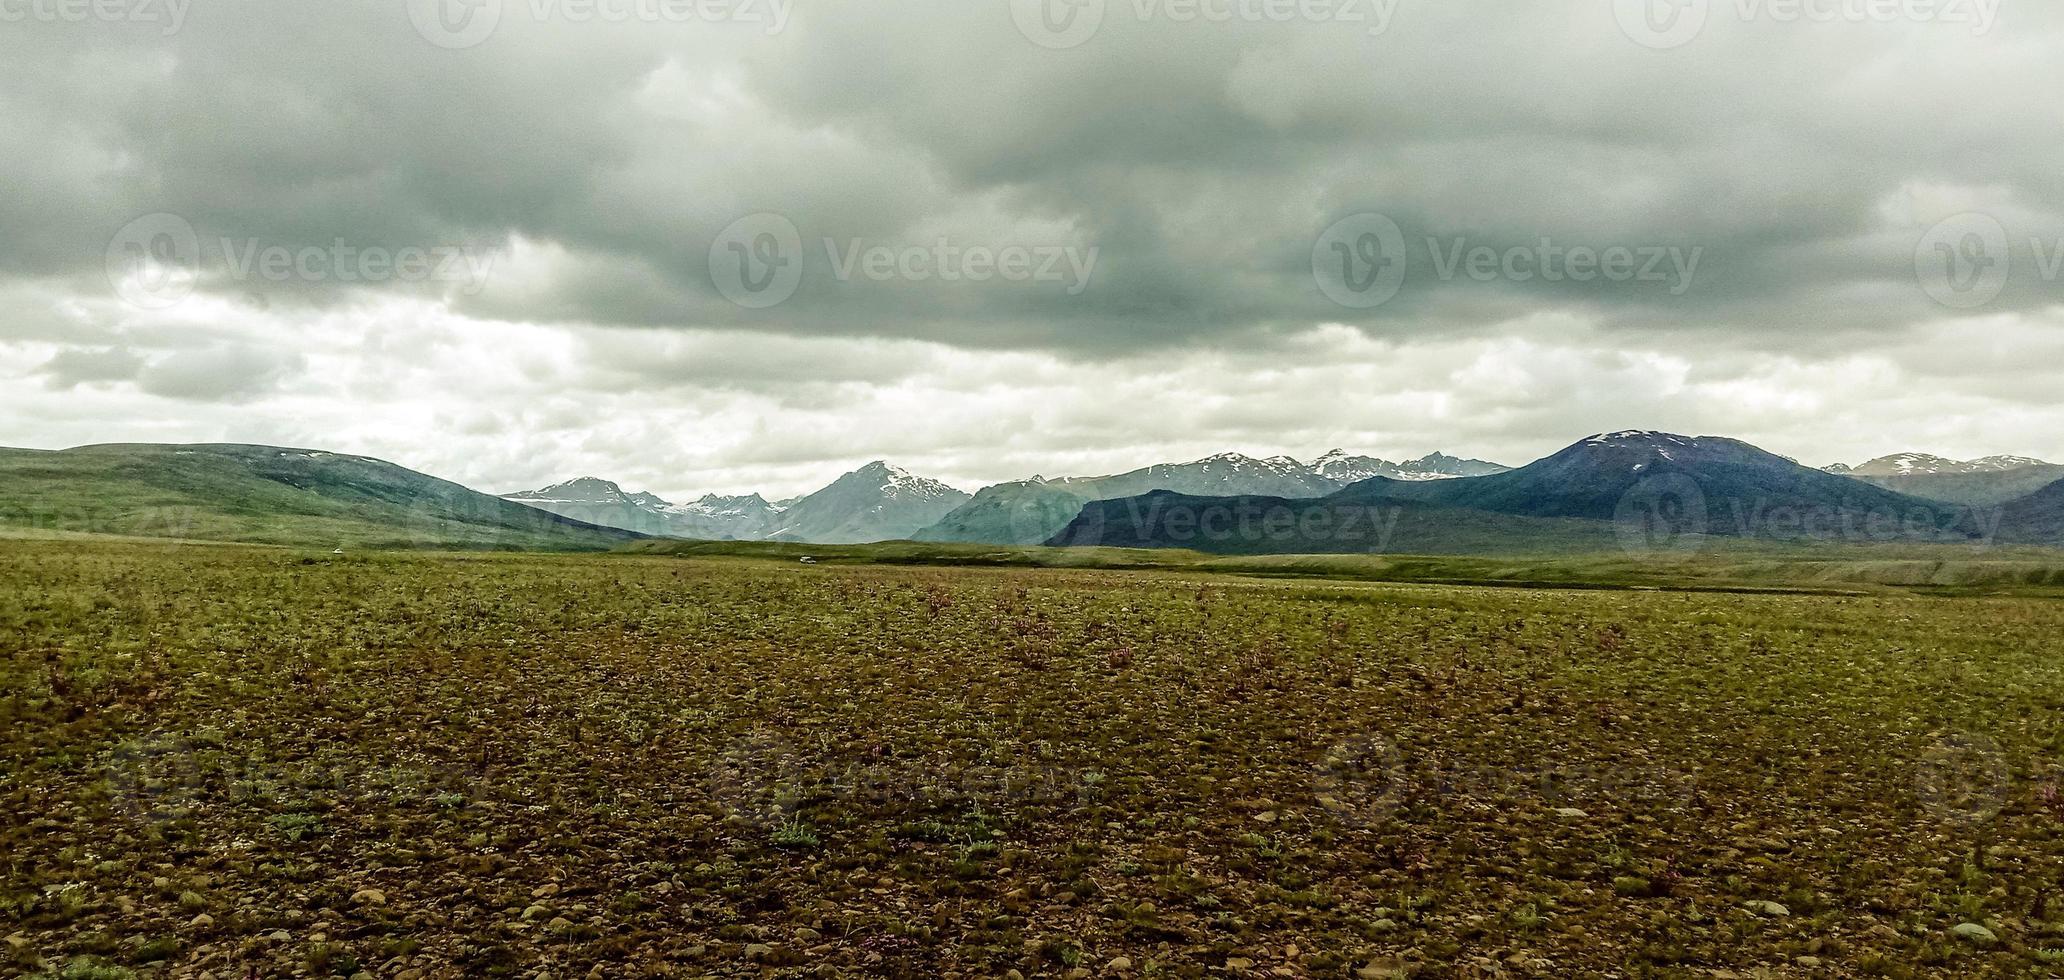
(1061, 950)
(91, 968)
(793, 835)
(296, 826)
(157, 950)
(1526, 918)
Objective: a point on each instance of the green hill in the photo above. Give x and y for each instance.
(268, 495)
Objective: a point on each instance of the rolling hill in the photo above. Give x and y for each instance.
(269, 495)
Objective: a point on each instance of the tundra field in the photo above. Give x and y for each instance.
(250, 763)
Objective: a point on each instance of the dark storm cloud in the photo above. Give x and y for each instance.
(1181, 172)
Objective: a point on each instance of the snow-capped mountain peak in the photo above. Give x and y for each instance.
(894, 481)
(1928, 464)
(586, 489)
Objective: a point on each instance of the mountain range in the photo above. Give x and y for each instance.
(1637, 489)
(1923, 464)
(711, 518)
(1975, 482)
(877, 502)
(882, 502)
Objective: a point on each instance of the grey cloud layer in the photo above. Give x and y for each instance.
(1803, 162)
(590, 166)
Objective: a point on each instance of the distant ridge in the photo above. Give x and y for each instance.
(1923, 464)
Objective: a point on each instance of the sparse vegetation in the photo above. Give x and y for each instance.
(503, 765)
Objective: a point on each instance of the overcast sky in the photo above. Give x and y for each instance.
(697, 246)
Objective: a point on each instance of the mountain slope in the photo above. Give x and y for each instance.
(269, 495)
(2035, 519)
(877, 502)
(1032, 511)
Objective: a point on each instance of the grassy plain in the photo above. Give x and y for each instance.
(259, 762)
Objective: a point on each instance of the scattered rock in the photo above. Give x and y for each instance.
(1767, 909)
(1974, 932)
(1570, 813)
(1239, 963)
(202, 921)
(369, 896)
(544, 891)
